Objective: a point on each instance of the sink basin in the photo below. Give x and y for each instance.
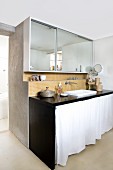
(81, 93)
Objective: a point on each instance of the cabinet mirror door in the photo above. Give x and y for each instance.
(74, 53)
(42, 47)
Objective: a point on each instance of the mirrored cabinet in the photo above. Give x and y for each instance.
(42, 47)
(76, 51)
(51, 49)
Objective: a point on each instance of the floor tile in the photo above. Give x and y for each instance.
(15, 156)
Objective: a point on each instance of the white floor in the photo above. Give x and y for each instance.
(4, 124)
(15, 156)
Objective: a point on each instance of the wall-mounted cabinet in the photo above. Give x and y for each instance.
(76, 51)
(48, 48)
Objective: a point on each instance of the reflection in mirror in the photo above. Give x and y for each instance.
(52, 61)
(54, 49)
(42, 48)
(76, 51)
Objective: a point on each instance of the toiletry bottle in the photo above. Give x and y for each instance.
(80, 68)
(59, 89)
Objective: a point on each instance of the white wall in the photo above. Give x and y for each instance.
(69, 58)
(84, 51)
(75, 55)
(103, 54)
(39, 60)
(3, 63)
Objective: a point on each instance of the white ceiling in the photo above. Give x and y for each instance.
(90, 18)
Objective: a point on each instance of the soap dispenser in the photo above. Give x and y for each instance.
(59, 89)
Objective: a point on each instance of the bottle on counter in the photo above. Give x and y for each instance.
(80, 68)
(97, 81)
(59, 88)
(99, 87)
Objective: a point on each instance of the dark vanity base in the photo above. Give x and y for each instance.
(42, 124)
(42, 132)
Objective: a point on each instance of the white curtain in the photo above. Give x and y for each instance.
(80, 123)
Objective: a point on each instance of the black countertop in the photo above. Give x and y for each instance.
(58, 100)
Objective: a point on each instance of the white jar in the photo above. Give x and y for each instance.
(42, 77)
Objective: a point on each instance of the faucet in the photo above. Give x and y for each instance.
(69, 82)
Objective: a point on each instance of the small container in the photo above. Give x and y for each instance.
(42, 77)
(33, 78)
(46, 93)
(59, 88)
(97, 81)
(80, 68)
(36, 78)
(99, 87)
(52, 68)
